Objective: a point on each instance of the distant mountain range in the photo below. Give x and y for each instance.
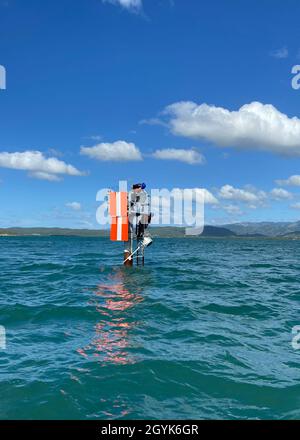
(268, 229)
(261, 229)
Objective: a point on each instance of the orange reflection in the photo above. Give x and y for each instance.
(114, 301)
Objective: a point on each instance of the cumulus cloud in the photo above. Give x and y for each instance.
(291, 181)
(228, 192)
(38, 166)
(76, 206)
(209, 198)
(295, 205)
(280, 194)
(254, 126)
(119, 151)
(190, 194)
(232, 209)
(131, 5)
(280, 53)
(45, 176)
(190, 157)
(250, 196)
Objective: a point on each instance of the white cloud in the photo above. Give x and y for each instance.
(280, 53)
(280, 194)
(296, 206)
(153, 121)
(76, 206)
(55, 152)
(45, 176)
(209, 198)
(232, 209)
(291, 181)
(228, 192)
(187, 156)
(38, 166)
(191, 194)
(95, 137)
(254, 126)
(251, 196)
(188, 195)
(119, 151)
(131, 5)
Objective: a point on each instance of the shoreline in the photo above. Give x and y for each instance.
(214, 237)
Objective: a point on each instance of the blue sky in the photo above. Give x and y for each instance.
(96, 91)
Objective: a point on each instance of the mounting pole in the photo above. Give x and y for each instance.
(128, 247)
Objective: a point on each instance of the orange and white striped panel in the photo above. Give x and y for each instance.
(119, 216)
(118, 204)
(119, 229)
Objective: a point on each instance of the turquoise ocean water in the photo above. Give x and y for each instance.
(203, 331)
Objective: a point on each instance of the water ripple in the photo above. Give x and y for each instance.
(203, 331)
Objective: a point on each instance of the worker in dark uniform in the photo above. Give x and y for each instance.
(139, 207)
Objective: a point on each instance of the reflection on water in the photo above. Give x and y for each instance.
(113, 301)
